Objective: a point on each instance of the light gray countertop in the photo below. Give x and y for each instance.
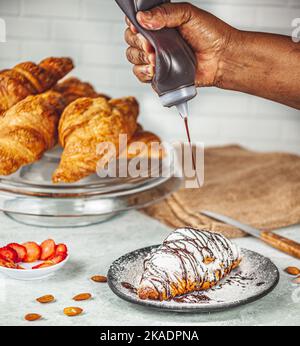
(94, 248)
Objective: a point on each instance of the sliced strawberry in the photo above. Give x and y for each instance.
(48, 249)
(20, 267)
(33, 252)
(61, 249)
(9, 254)
(55, 260)
(43, 265)
(7, 263)
(59, 258)
(20, 250)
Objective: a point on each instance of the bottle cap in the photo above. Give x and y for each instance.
(179, 96)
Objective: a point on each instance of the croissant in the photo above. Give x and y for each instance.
(28, 129)
(141, 145)
(85, 124)
(29, 79)
(188, 260)
(73, 89)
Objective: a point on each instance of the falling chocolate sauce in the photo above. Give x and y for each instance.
(186, 123)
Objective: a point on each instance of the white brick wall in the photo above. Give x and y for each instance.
(91, 31)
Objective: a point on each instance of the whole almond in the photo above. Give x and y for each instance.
(99, 278)
(46, 299)
(32, 317)
(297, 280)
(292, 271)
(82, 296)
(72, 311)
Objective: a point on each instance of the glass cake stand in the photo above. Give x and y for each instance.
(29, 196)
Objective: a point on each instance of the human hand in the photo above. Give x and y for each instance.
(207, 35)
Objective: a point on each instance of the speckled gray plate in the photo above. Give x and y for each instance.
(255, 278)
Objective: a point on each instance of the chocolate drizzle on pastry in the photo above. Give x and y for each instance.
(189, 260)
(192, 299)
(129, 287)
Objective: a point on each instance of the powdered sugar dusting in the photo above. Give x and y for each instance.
(188, 255)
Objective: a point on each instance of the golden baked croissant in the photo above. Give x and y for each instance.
(73, 89)
(85, 124)
(28, 129)
(141, 145)
(29, 79)
(188, 260)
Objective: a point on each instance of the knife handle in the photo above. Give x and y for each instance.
(281, 243)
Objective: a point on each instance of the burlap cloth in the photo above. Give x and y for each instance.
(261, 189)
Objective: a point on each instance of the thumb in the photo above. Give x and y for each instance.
(165, 16)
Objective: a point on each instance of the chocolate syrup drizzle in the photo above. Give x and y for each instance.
(182, 258)
(187, 128)
(192, 299)
(237, 279)
(129, 287)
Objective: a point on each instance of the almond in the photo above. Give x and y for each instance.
(297, 280)
(32, 317)
(46, 299)
(99, 278)
(292, 271)
(72, 311)
(82, 296)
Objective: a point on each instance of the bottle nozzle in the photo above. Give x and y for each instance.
(183, 109)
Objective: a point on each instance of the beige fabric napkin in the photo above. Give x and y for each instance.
(261, 189)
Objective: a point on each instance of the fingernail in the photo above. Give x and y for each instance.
(145, 69)
(149, 70)
(147, 15)
(144, 18)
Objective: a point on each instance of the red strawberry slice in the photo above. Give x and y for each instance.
(33, 252)
(7, 263)
(48, 249)
(55, 260)
(61, 249)
(9, 254)
(20, 267)
(43, 265)
(59, 258)
(20, 250)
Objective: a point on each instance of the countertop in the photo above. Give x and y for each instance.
(94, 248)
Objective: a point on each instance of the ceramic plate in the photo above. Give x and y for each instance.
(256, 277)
(32, 274)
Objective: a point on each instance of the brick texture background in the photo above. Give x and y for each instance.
(91, 31)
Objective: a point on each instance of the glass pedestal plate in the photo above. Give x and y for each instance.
(29, 196)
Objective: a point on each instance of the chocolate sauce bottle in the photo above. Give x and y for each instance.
(174, 79)
(175, 69)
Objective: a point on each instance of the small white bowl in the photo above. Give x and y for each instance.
(32, 274)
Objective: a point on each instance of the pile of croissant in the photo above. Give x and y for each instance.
(37, 111)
